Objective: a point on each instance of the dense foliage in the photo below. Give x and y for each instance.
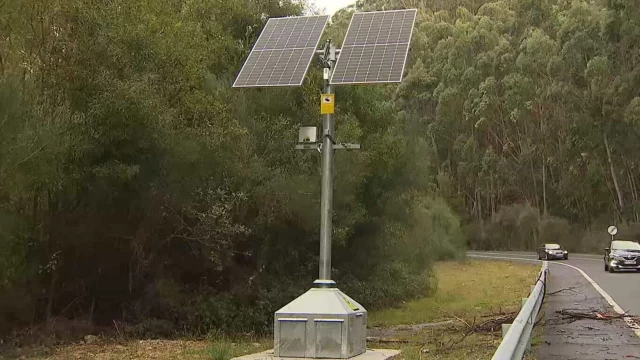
(530, 110)
(137, 185)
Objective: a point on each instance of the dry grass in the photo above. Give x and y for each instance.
(437, 346)
(215, 349)
(466, 291)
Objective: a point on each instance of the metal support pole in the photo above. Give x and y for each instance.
(326, 200)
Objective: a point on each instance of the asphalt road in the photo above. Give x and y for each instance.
(568, 289)
(624, 288)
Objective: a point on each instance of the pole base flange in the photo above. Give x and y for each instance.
(324, 283)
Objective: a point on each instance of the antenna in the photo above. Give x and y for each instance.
(324, 322)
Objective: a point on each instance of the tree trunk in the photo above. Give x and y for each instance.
(34, 211)
(92, 310)
(480, 215)
(614, 207)
(535, 186)
(634, 192)
(493, 199)
(435, 149)
(51, 294)
(47, 232)
(614, 177)
(544, 189)
(131, 264)
(586, 215)
(488, 199)
(544, 168)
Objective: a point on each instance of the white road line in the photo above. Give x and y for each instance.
(574, 257)
(635, 327)
(502, 257)
(584, 258)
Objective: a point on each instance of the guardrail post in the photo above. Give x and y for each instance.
(531, 321)
(505, 329)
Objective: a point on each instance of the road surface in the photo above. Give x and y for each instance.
(572, 290)
(624, 288)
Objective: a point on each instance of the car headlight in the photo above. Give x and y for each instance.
(565, 251)
(616, 257)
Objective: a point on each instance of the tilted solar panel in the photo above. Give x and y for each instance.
(375, 48)
(283, 52)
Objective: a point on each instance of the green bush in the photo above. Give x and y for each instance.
(389, 285)
(518, 227)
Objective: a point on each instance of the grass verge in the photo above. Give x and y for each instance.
(469, 294)
(465, 289)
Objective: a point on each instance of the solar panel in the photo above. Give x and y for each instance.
(375, 48)
(283, 52)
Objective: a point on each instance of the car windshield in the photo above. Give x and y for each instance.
(552, 246)
(624, 245)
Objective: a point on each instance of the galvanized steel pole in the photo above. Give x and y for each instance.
(326, 200)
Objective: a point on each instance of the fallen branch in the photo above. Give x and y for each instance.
(417, 327)
(569, 314)
(472, 329)
(571, 289)
(453, 316)
(422, 350)
(459, 341)
(388, 341)
(491, 324)
(499, 313)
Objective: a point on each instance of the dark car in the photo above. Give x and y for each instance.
(552, 251)
(622, 255)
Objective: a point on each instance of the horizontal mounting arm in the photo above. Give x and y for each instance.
(321, 51)
(316, 146)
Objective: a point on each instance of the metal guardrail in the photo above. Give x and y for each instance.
(517, 339)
